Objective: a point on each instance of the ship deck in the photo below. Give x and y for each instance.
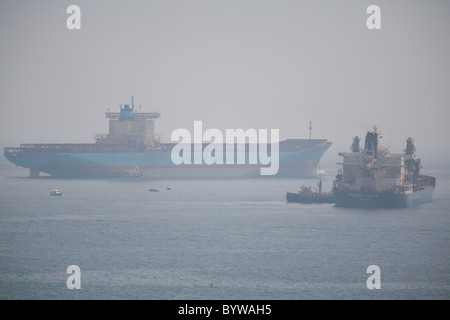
(289, 145)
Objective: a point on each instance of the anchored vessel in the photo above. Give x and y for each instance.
(308, 195)
(375, 178)
(56, 192)
(132, 149)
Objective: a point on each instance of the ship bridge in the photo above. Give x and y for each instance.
(135, 115)
(130, 127)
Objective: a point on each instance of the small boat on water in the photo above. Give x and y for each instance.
(308, 195)
(152, 190)
(56, 192)
(134, 172)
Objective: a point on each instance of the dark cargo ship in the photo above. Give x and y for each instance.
(375, 178)
(308, 195)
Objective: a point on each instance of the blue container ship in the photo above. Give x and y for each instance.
(131, 149)
(373, 177)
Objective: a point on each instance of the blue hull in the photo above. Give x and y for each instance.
(295, 164)
(382, 199)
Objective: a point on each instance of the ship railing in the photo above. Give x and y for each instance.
(11, 150)
(100, 136)
(52, 147)
(425, 181)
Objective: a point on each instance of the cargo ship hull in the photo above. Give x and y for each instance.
(382, 199)
(131, 148)
(155, 164)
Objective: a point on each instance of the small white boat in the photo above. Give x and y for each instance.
(56, 192)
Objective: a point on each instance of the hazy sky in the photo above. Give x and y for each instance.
(230, 63)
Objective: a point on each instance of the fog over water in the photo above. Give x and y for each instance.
(232, 64)
(250, 64)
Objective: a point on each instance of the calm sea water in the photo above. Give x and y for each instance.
(213, 239)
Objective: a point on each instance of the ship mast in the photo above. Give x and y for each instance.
(310, 129)
(320, 181)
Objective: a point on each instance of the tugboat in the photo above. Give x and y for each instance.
(307, 195)
(375, 178)
(56, 192)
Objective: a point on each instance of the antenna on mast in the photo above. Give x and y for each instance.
(310, 129)
(320, 181)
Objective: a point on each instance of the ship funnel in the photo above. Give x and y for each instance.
(126, 113)
(355, 144)
(371, 143)
(410, 148)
